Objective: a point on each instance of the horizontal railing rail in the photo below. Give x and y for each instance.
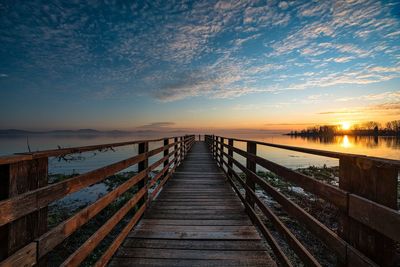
(369, 218)
(25, 196)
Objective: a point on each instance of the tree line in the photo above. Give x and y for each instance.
(370, 128)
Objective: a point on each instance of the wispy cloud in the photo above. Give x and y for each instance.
(161, 124)
(217, 49)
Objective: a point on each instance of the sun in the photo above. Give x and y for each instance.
(345, 125)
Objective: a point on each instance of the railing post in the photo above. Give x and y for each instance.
(166, 152)
(215, 147)
(211, 142)
(252, 149)
(221, 154)
(230, 153)
(143, 148)
(181, 150)
(16, 179)
(376, 182)
(176, 151)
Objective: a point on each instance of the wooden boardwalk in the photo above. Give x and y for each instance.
(197, 220)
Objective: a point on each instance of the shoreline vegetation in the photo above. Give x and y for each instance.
(371, 128)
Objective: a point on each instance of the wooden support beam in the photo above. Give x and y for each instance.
(230, 153)
(143, 148)
(251, 166)
(16, 179)
(166, 152)
(378, 183)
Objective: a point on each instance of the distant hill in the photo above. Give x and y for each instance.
(62, 132)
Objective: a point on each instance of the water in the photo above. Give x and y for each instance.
(386, 147)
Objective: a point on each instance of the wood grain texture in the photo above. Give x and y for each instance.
(196, 220)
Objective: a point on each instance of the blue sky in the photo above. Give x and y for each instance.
(197, 64)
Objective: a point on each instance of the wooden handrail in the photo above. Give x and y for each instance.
(334, 195)
(17, 207)
(376, 216)
(324, 153)
(17, 157)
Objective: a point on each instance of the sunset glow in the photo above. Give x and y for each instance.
(345, 125)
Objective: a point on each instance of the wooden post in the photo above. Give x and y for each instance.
(180, 150)
(221, 155)
(215, 147)
(176, 150)
(251, 148)
(230, 153)
(143, 148)
(15, 179)
(211, 142)
(166, 152)
(377, 182)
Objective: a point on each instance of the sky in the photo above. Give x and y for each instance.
(198, 64)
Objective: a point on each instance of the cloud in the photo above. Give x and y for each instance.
(283, 5)
(174, 50)
(337, 112)
(3, 75)
(385, 108)
(393, 34)
(240, 41)
(162, 124)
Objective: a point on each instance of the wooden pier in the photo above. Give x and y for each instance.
(201, 208)
(197, 220)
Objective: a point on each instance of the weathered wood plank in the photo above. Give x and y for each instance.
(26, 256)
(245, 221)
(232, 245)
(196, 220)
(123, 262)
(197, 254)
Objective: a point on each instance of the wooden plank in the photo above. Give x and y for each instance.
(378, 217)
(244, 221)
(65, 151)
(276, 248)
(195, 215)
(55, 236)
(13, 208)
(195, 228)
(261, 262)
(26, 256)
(328, 192)
(86, 248)
(16, 180)
(105, 258)
(377, 183)
(199, 207)
(161, 253)
(291, 239)
(225, 235)
(247, 245)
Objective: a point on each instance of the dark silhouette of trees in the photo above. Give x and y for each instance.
(370, 128)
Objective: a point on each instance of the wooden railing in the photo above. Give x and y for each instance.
(25, 195)
(369, 221)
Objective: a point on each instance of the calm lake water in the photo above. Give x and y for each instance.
(386, 147)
